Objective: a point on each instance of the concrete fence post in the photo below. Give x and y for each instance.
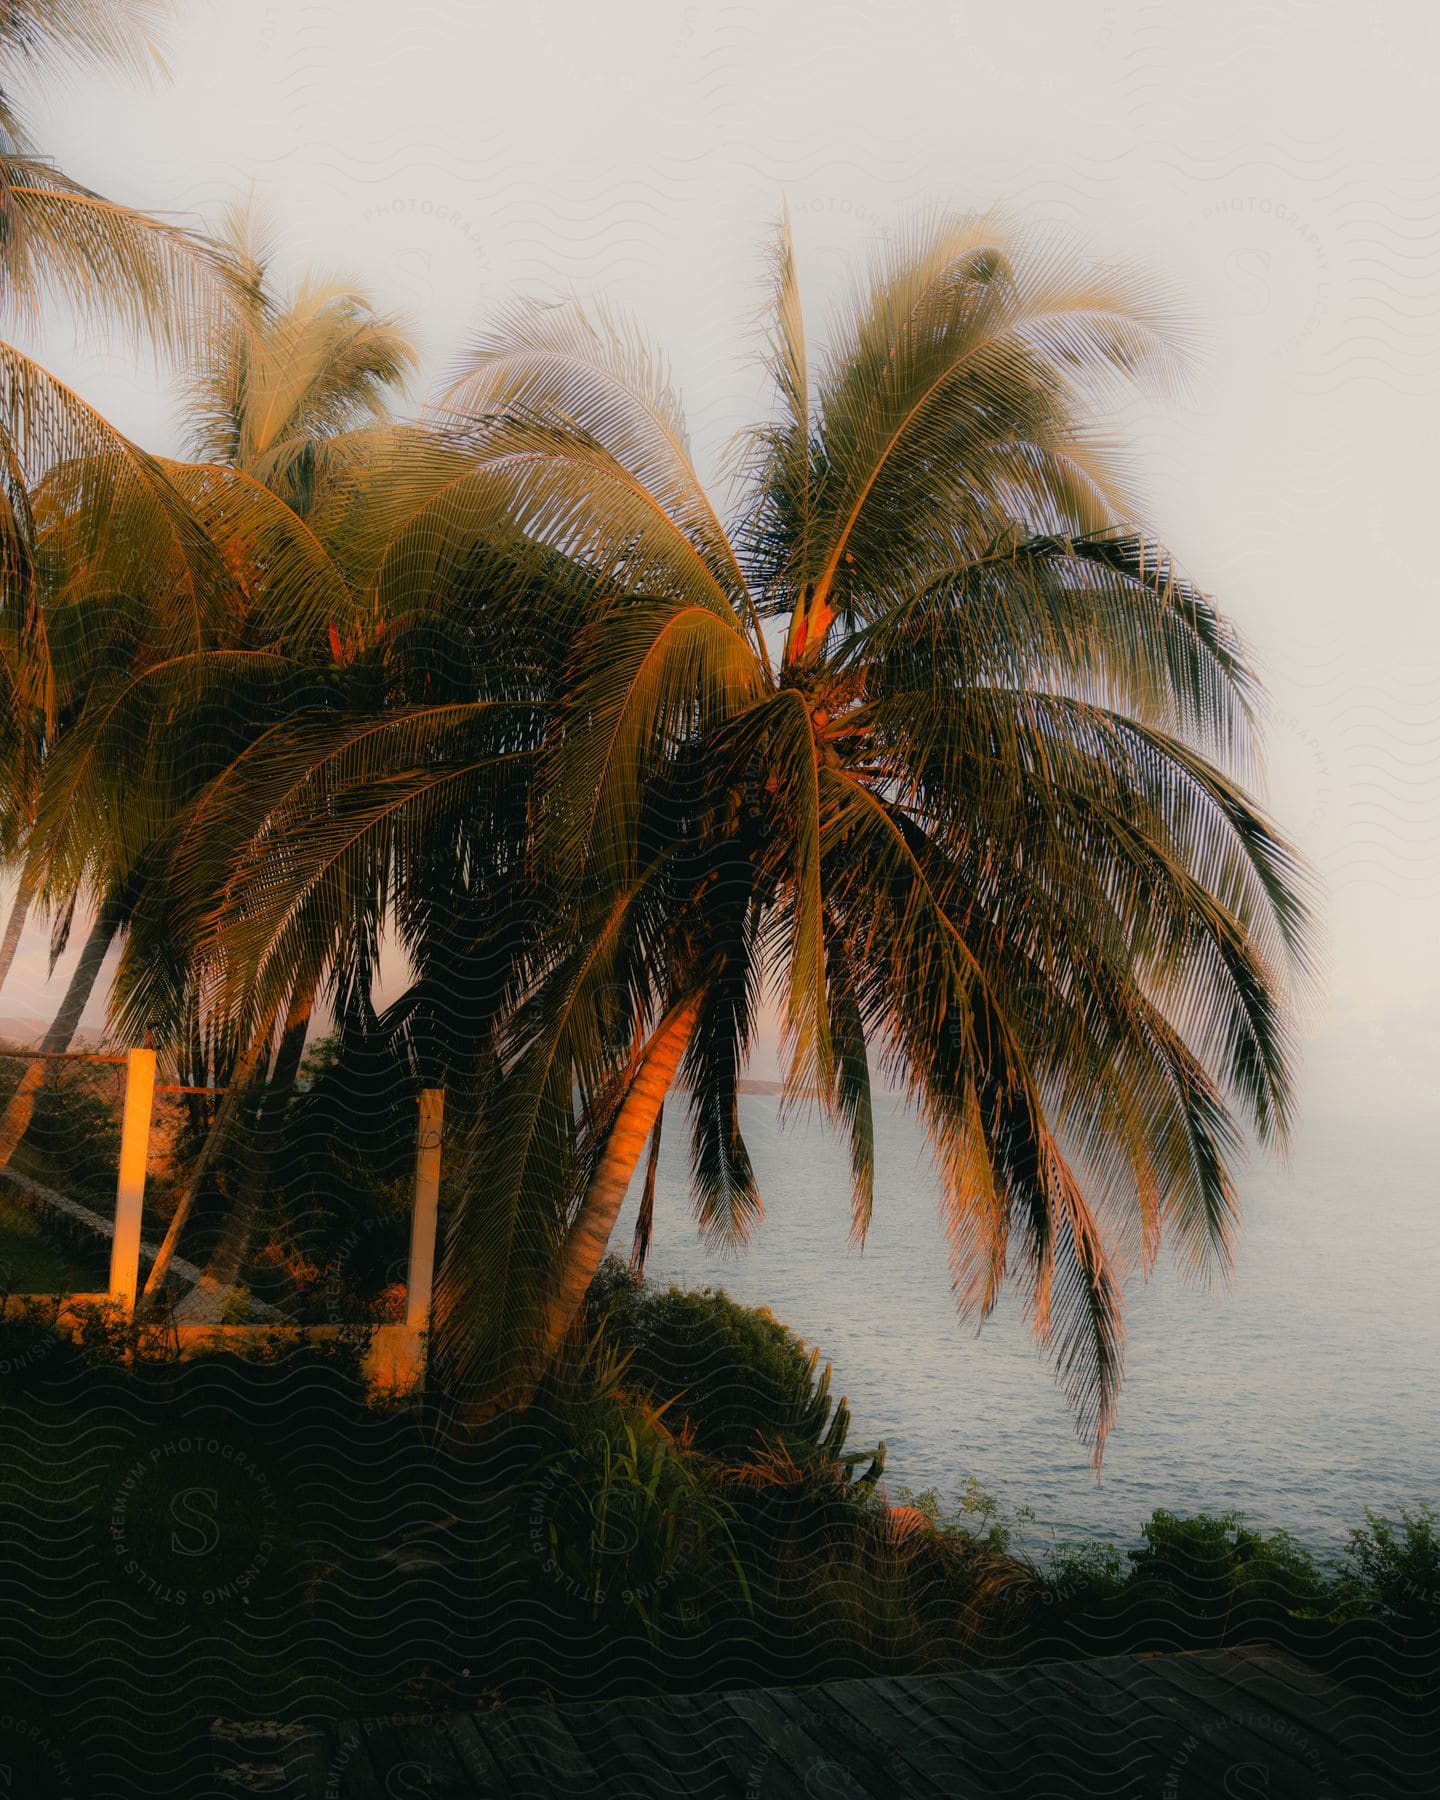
(421, 1280)
(130, 1188)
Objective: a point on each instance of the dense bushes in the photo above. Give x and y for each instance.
(1201, 1580)
(1369, 1618)
(677, 1510)
(73, 1141)
(736, 1378)
(1392, 1570)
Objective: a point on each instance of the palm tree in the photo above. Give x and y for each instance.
(66, 249)
(289, 402)
(61, 245)
(415, 670)
(982, 811)
(287, 392)
(289, 397)
(133, 631)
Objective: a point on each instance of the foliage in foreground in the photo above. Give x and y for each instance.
(677, 1511)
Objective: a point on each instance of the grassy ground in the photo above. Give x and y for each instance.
(33, 1261)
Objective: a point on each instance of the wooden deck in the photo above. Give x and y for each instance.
(1202, 1726)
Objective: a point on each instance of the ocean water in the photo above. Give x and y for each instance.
(1301, 1394)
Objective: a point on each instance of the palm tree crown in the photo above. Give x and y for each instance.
(981, 816)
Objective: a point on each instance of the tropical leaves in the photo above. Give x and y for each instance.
(66, 247)
(503, 694)
(293, 380)
(35, 35)
(81, 509)
(1007, 842)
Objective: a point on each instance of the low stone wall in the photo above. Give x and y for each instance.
(393, 1361)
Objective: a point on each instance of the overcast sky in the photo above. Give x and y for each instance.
(1278, 165)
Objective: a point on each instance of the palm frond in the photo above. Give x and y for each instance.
(292, 373)
(65, 247)
(1000, 1164)
(952, 407)
(652, 675)
(37, 35)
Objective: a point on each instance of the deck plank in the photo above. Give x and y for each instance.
(351, 1773)
(849, 1747)
(486, 1776)
(1141, 1727)
(731, 1749)
(1179, 1724)
(1360, 1748)
(1050, 1739)
(560, 1764)
(647, 1749)
(793, 1742)
(938, 1761)
(1288, 1753)
(1006, 1723)
(419, 1757)
(521, 1770)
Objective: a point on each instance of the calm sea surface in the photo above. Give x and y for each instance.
(1306, 1392)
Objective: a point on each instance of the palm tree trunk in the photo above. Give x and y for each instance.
(15, 925)
(17, 1115)
(645, 1218)
(589, 1235)
(225, 1113)
(228, 1256)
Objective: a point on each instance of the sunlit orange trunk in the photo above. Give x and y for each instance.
(589, 1234)
(15, 1120)
(15, 925)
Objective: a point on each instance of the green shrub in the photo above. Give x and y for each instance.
(73, 1139)
(1392, 1569)
(1213, 1576)
(974, 1514)
(106, 1333)
(623, 1521)
(736, 1379)
(1083, 1575)
(38, 1255)
(237, 1308)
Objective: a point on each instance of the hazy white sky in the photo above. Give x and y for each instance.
(1278, 164)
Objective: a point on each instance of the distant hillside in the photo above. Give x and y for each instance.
(21, 1031)
(25, 1034)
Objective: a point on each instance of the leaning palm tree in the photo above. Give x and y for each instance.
(290, 396)
(413, 655)
(275, 387)
(64, 247)
(983, 818)
(134, 631)
(934, 743)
